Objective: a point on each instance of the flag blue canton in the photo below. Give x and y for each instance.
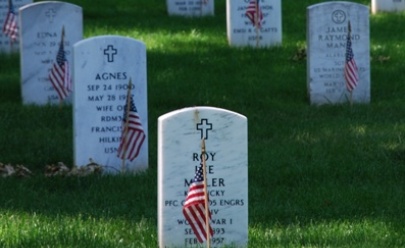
(61, 56)
(349, 50)
(11, 8)
(199, 175)
(132, 108)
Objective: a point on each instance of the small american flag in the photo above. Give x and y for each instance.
(351, 71)
(254, 13)
(10, 27)
(194, 207)
(59, 74)
(133, 134)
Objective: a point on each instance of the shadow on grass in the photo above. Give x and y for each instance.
(308, 166)
(121, 196)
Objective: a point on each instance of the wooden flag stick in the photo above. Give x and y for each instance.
(11, 40)
(201, 7)
(257, 24)
(207, 219)
(351, 98)
(349, 27)
(124, 135)
(62, 41)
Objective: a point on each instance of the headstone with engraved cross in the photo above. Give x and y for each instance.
(387, 6)
(255, 23)
(8, 45)
(190, 8)
(179, 155)
(103, 67)
(42, 26)
(327, 32)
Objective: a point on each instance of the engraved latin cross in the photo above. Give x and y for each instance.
(204, 127)
(50, 13)
(110, 52)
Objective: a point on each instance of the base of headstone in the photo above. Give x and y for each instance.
(387, 6)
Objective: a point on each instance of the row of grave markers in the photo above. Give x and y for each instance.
(249, 22)
(387, 6)
(101, 70)
(106, 72)
(195, 8)
(42, 25)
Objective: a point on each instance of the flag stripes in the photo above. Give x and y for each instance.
(254, 13)
(194, 207)
(350, 70)
(133, 134)
(10, 27)
(60, 74)
(195, 216)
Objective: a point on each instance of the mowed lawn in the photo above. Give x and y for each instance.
(319, 176)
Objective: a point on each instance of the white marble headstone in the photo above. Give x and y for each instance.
(387, 6)
(5, 45)
(327, 30)
(190, 8)
(242, 31)
(179, 154)
(103, 67)
(41, 30)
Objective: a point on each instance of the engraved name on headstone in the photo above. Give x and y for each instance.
(190, 8)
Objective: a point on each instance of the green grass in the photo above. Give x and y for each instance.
(327, 176)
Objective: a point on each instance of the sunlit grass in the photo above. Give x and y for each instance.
(335, 233)
(327, 176)
(36, 230)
